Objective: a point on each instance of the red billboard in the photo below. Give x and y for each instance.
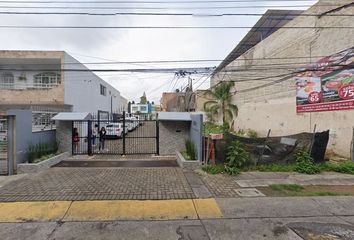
(327, 85)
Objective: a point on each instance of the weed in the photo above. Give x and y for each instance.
(305, 164)
(213, 169)
(252, 133)
(190, 150)
(287, 187)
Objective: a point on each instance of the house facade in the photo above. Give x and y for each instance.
(48, 82)
(35, 86)
(265, 84)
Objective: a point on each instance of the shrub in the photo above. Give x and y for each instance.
(231, 170)
(252, 133)
(213, 169)
(40, 150)
(305, 164)
(237, 155)
(190, 150)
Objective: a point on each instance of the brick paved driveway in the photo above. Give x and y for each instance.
(99, 184)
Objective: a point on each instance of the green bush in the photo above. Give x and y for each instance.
(190, 150)
(305, 163)
(210, 128)
(40, 150)
(237, 156)
(213, 169)
(231, 170)
(252, 133)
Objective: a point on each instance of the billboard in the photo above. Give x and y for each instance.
(326, 85)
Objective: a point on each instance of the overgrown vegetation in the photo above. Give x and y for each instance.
(344, 167)
(210, 128)
(236, 158)
(298, 190)
(41, 151)
(190, 152)
(252, 133)
(214, 169)
(305, 163)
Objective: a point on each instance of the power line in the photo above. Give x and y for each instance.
(164, 2)
(170, 27)
(164, 8)
(272, 16)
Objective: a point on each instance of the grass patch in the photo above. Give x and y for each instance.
(343, 167)
(271, 168)
(287, 187)
(295, 190)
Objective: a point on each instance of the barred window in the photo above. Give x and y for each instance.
(47, 80)
(7, 80)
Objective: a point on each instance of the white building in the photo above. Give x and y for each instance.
(48, 82)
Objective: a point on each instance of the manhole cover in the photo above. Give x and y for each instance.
(249, 192)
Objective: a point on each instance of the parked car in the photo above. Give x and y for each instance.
(130, 124)
(115, 130)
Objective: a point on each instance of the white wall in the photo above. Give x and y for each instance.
(82, 90)
(274, 107)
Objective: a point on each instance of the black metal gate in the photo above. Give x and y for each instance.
(123, 136)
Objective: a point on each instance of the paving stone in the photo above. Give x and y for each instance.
(99, 184)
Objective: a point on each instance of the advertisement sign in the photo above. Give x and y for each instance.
(327, 85)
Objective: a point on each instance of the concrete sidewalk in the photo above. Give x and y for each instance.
(251, 218)
(225, 186)
(263, 179)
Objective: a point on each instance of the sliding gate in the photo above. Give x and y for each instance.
(139, 137)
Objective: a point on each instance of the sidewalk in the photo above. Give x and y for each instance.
(223, 185)
(252, 218)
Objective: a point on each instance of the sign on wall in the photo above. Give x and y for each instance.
(327, 85)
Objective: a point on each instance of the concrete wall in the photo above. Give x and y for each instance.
(196, 134)
(24, 136)
(173, 135)
(274, 106)
(64, 135)
(82, 90)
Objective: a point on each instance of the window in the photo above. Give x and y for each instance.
(42, 120)
(47, 80)
(103, 90)
(7, 80)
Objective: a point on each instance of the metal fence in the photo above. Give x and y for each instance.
(123, 136)
(3, 145)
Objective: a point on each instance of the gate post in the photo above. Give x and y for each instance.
(89, 137)
(123, 132)
(157, 138)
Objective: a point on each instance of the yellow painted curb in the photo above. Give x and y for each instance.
(33, 211)
(207, 208)
(131, 210)
(109, 210)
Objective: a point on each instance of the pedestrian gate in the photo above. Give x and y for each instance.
(123, 136)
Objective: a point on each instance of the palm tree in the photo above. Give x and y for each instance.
(221, 103)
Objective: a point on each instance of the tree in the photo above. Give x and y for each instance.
(221, 103)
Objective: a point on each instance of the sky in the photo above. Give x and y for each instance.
(136, 45)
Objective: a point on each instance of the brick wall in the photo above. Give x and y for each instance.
(172, 136)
